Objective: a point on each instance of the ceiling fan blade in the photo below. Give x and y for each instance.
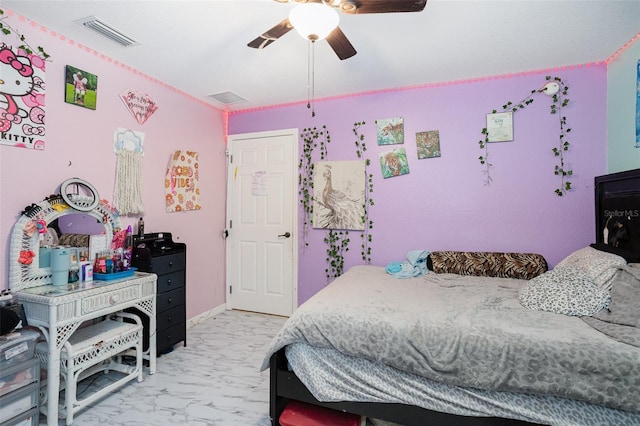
(383, 6)
(271, 35)
(341, 44)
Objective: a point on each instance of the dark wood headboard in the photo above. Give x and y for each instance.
(618, 211)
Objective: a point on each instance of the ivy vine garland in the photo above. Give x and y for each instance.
(311, 139)
(6, 29)
(559, 101)
(337, 240)
(337, 244)
(366, 236)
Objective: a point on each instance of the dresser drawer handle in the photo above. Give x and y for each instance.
(114, 298)
(168, 282)
(169, 319)
(170, 264)
(169, 301)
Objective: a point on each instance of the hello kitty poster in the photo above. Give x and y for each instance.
(22, 99)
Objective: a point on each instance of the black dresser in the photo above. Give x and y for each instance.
(157, 253)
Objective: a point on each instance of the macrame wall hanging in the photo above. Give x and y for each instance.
(127, 194)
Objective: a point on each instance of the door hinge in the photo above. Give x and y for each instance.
(230, 289)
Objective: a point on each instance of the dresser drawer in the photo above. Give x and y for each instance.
(169, 263)
(171, 317)
(170, 299)
(170, 281)
(171, 336)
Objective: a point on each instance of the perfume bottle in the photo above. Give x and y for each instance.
(141, 228)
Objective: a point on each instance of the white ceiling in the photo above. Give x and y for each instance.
(200, 47)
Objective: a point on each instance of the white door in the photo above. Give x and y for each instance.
(262, 222)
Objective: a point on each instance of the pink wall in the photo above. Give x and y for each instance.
(443, 204)
(79, 143)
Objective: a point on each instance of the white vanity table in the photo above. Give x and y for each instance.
(59, 310)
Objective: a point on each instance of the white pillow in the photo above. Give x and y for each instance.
(599, 266)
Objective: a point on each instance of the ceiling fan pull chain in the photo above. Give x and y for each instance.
(311, 77)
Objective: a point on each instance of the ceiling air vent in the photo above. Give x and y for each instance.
(101, 27)
(227, 98)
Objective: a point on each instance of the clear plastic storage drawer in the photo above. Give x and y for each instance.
(19, 375)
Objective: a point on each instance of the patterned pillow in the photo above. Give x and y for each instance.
(599, 266)
(568, 290)
(522, 266)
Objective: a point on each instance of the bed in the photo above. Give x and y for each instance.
(519, 344)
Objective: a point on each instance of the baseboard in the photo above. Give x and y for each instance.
(206, 315)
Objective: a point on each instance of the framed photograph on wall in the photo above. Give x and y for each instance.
(500, 127)
(81, 87)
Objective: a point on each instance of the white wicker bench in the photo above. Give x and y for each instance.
(92, 349)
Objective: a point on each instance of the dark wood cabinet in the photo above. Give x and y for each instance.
(157, 253)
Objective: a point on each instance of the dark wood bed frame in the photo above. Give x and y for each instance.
(285, 385)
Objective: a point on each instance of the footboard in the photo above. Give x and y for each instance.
(285, 386)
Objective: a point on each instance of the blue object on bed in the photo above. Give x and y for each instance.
(414, 266)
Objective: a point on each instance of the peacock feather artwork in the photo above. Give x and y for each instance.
(339, 194)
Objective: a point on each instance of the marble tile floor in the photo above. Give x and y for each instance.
(213, 381)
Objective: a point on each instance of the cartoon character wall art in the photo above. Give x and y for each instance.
(22, 99)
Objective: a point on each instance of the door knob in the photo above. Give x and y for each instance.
(286, 235)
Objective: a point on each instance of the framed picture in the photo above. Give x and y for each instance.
(340, 192)
(500, 127)
(428, 144)
(81, 87)
(390, 131)
(394, 163)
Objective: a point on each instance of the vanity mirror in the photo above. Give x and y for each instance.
(24, 262)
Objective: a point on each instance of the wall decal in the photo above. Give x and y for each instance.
(81, 87)
(339, 194)
(139, 104)
(181, 182)
(394, 163)
(428, 144)
(22, 98)
(390, 131)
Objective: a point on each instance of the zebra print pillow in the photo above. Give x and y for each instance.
(523, 266)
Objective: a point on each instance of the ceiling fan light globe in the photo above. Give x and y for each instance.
(313, 21)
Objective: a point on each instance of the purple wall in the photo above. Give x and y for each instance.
(443, 204)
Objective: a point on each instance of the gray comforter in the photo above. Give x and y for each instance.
(466, 331)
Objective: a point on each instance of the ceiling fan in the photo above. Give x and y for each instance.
(316, 11)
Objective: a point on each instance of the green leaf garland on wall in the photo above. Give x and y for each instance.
(558, 91)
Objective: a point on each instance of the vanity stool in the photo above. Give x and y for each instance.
(95, 348)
